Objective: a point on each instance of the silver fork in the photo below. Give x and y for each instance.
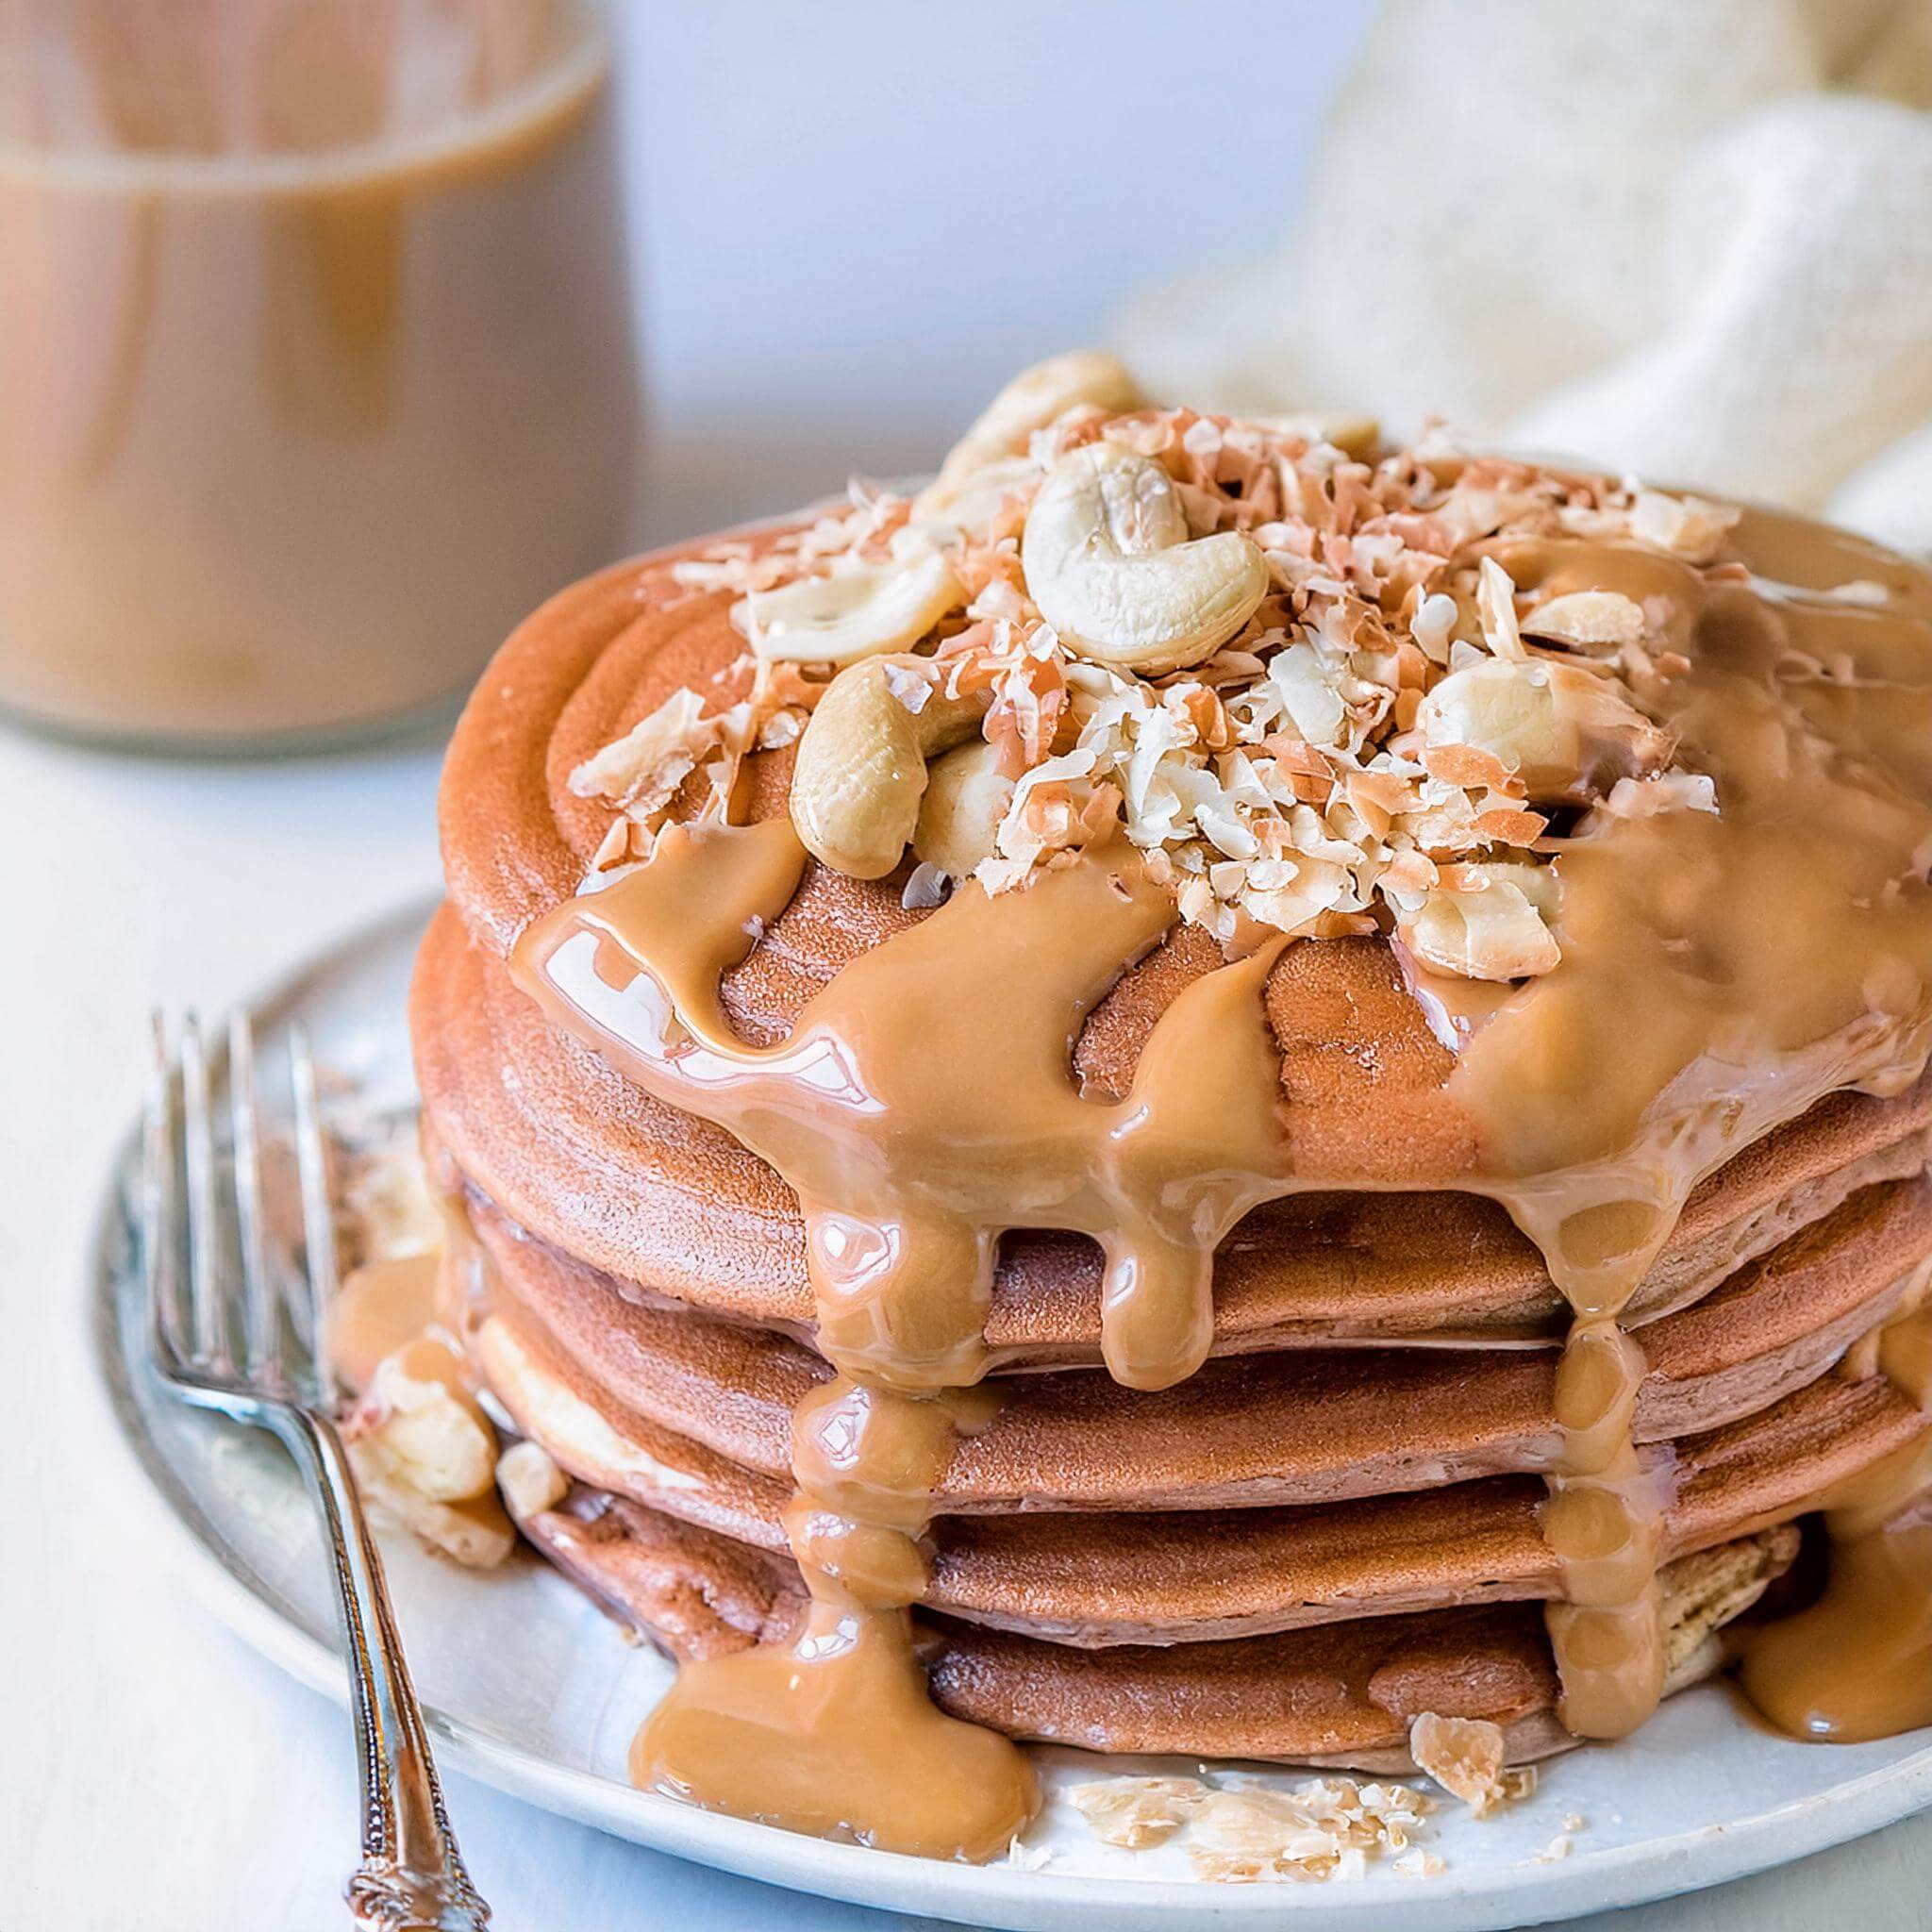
(220, 1340)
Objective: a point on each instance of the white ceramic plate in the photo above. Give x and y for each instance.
(530, 1689)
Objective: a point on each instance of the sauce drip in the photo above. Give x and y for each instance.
(833, 1732)
(1719, 975)
(382, 1307)
(914, 1121)
(912, 1142)
(1858, 1663)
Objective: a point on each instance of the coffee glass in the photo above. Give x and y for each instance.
(317, 367)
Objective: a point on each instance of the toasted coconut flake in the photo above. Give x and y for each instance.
(642, 772)
(652, 758)
(1434, 625)
(1328, 1828)
(1642, 798)
(1496, 603)
(1136, 1812)
(1687, 525)
(927, 887)
(912, 688)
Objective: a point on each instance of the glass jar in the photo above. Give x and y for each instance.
(317, 369)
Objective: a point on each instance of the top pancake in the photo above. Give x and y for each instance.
(1357, 1052)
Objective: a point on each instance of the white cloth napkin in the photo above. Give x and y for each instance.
(1687, 239)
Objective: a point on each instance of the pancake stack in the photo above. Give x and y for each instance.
(1371, 1472)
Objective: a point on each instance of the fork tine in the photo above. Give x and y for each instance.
(318, 1216)
(207, 1330)
(261, 1353)
(160, 1261)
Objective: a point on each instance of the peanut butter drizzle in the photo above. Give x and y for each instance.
(1719, 975)
(916, 1127)
(383, 1307)
(833, 1732)
(1858, 1663)
(926, 1102)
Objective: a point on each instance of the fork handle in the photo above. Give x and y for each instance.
(412, 1877)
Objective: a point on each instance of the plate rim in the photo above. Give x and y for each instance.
(1610, 1877)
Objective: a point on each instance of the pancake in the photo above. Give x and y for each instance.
(1342, 1694)
(1190, 1576)
(1303, 1426)
(672, 1205)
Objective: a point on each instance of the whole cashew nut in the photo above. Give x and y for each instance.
(860, 773)
(966, 797)
(858, 610)
(1108, 563)
(1036, 397)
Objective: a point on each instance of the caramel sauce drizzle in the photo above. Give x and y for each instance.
(1719, 975)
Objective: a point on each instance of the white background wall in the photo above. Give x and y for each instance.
(855, 218)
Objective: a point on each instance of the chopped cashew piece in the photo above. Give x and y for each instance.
(1688, 525)
(475, 1532)
(1493, 931)
(861, 769)
(857, 609)
(1588, 617)
(1036, 397)
(421, 1421)
(392, 1209)
(424, 1454)
(529, 1479)
(1136, 1812)
(1328, 1827)
(1108, 563)
(1562, 730)
(966, 797)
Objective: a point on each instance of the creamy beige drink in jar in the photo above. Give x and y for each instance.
(316, 366)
